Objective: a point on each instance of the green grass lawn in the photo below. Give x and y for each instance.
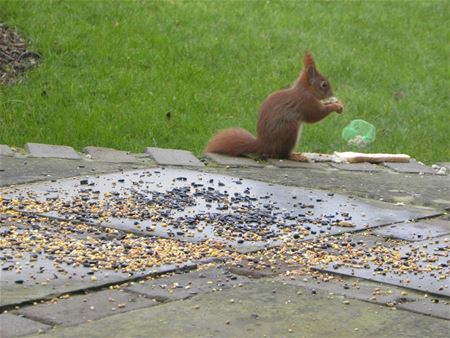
(110, 71)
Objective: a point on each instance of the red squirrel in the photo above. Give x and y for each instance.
(281, 117)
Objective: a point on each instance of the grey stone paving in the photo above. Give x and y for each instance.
(32, 275)
(432, 280)
(416, 231)
(15, 326)
(53, 151)
(445, 165)
(77, 309)
(431, 306)
(279, 208)
(294, 164)
(365, 167)
(5, 150)
(412, 167)
(263, 308)
(42, 278)
(246, 306)
(173, 157)
(373, 292)
(434, 189)
(109, 155)
(186, 285)
(233, 161)
(420, 190)
(22, 170)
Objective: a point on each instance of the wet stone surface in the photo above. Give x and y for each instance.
(412, 167)
(6, 150)
(188, 284)
(421, 190)
(48, 150)
(43, 258)
(242, 214)
(369, 291)
(200, 215)
(173, 157)
(416, 231)
(365, 167)
(261, 308)
(233, 161)
(295, 164)
(422, 266)
(109, 155)
(14, 326)
(76, 309)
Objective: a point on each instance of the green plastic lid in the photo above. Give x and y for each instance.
(359, 133)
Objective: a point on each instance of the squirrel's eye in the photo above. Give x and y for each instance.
(324, 85)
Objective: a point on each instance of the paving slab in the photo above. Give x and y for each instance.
(411, 167)
(233, 161)
(444, 164)
(243, 214)
(294, 164)
(76, 309)
(42, 278)
(425, 190)
(246, 267)
(422, 190)
(185, 285)
(50, 150)
(260, 309)
(372, 292)
(43, 258)
(109, 155)
(364, 167)
(5, 150)
(173, 157)
(15, 326)
(425, 269)
(371, 240)
(15, 170)
(431, 306)
(416, 231)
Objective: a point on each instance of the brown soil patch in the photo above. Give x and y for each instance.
(15, 58)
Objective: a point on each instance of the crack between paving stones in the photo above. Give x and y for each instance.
(38, 319)
(159, 299)
(378, 281)
(189, 266)
(268, 246)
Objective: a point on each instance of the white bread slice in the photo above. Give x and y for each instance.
(353, 157)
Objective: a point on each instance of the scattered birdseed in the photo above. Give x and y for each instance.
(79, 244)
(240, 217)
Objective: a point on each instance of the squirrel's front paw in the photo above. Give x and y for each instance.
(297, 157)
(337, 107)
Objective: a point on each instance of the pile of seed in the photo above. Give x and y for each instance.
(190, 208)
(234, 217)
(15, 58)
(78, 244)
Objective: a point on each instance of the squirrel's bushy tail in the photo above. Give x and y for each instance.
(233, 142)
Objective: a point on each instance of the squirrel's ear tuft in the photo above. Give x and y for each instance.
(308, 60)
(309, 68)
